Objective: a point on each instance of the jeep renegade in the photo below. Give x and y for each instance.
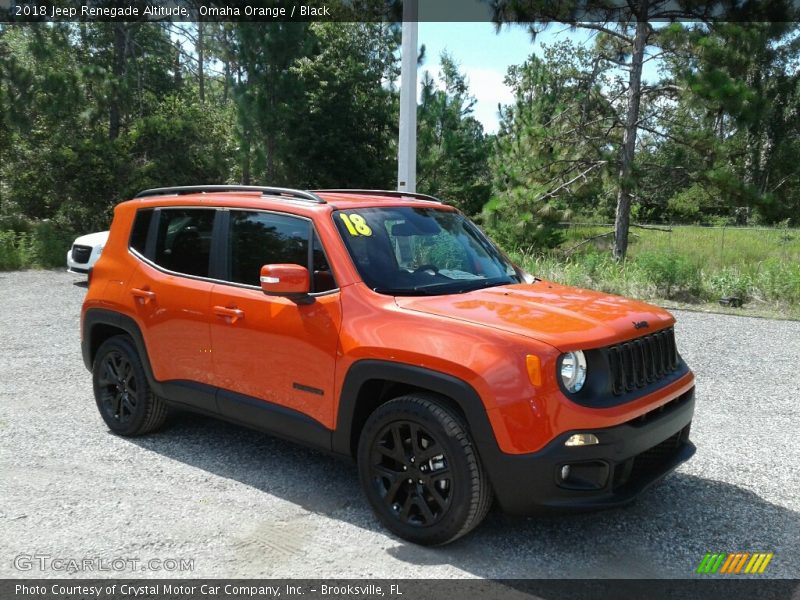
(386, 327)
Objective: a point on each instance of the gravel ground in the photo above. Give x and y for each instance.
(243, 504)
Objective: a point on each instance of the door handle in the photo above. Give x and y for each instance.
(144, 296)
(233, 314)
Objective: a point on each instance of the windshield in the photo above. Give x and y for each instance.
(406, 251)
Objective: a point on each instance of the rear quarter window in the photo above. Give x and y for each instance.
(141, 225)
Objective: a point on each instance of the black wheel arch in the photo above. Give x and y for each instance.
(101, 324)
(369, 383)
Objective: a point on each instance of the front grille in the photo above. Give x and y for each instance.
(81, 254)
(642, 361)
(652, 460)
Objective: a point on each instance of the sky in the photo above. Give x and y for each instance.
(484, 55)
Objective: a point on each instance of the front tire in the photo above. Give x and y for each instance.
(123, 395)
(421, 472)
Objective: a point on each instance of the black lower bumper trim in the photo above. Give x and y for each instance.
(629, 458)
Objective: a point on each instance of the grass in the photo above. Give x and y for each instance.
(715, 247)
(687, 267)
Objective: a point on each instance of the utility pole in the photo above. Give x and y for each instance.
(407, 144)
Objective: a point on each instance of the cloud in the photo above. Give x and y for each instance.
(489, 90)
(486, 85)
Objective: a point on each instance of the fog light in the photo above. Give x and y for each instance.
(582, 439)
(583, 475)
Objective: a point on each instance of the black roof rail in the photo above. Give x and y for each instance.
(387, 193)
(210, 189)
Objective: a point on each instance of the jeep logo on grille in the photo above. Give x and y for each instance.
(640, 324)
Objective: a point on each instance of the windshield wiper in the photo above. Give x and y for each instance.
(487, 283)
(460, 287)
(442, 288)
(400, 291)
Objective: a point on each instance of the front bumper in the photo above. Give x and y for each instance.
(629, 458)
(83, 268)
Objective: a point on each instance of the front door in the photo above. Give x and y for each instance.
(267, 348)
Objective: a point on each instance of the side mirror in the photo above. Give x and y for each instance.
(285, 280)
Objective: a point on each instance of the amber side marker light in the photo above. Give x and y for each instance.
(534, 369)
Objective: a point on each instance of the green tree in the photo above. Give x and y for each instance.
(736, 120)
(625, 36)
(342, 129)
(42, 113)
(624, 28)
(91, 132)
(183, 143)
(266, 94)
(452, 149)
(127, 68)
(555, 146)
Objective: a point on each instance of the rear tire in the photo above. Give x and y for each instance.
(123, 395)
(421, 472)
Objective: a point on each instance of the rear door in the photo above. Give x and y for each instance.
(266, 348)
(172, 290)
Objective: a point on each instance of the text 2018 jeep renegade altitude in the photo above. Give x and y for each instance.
(384, 326)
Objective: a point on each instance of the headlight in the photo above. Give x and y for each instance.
(573, 371)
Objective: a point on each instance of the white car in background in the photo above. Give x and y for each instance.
(85, 251)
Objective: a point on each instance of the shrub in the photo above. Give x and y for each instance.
(16, 251)
(669, 272)
(50, 244)
(729, 281)
(778, 280)
(9, 257)
(31, 244)
(16, 223)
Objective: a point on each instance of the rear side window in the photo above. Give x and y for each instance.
(141, 225)
(258, 238)
(183, 244)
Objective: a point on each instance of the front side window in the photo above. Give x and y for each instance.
(421, 251)
(183, 243)
(322, 279)
(260, 238)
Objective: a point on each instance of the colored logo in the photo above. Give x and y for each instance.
(736, 563)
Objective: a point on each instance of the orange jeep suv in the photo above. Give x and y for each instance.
(386, 327)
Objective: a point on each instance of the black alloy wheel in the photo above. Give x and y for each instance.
(121, 389)
(410, 472)
(118, 388)
(421, 471)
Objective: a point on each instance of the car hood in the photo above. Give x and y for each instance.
(566, 318)
(92, 239)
